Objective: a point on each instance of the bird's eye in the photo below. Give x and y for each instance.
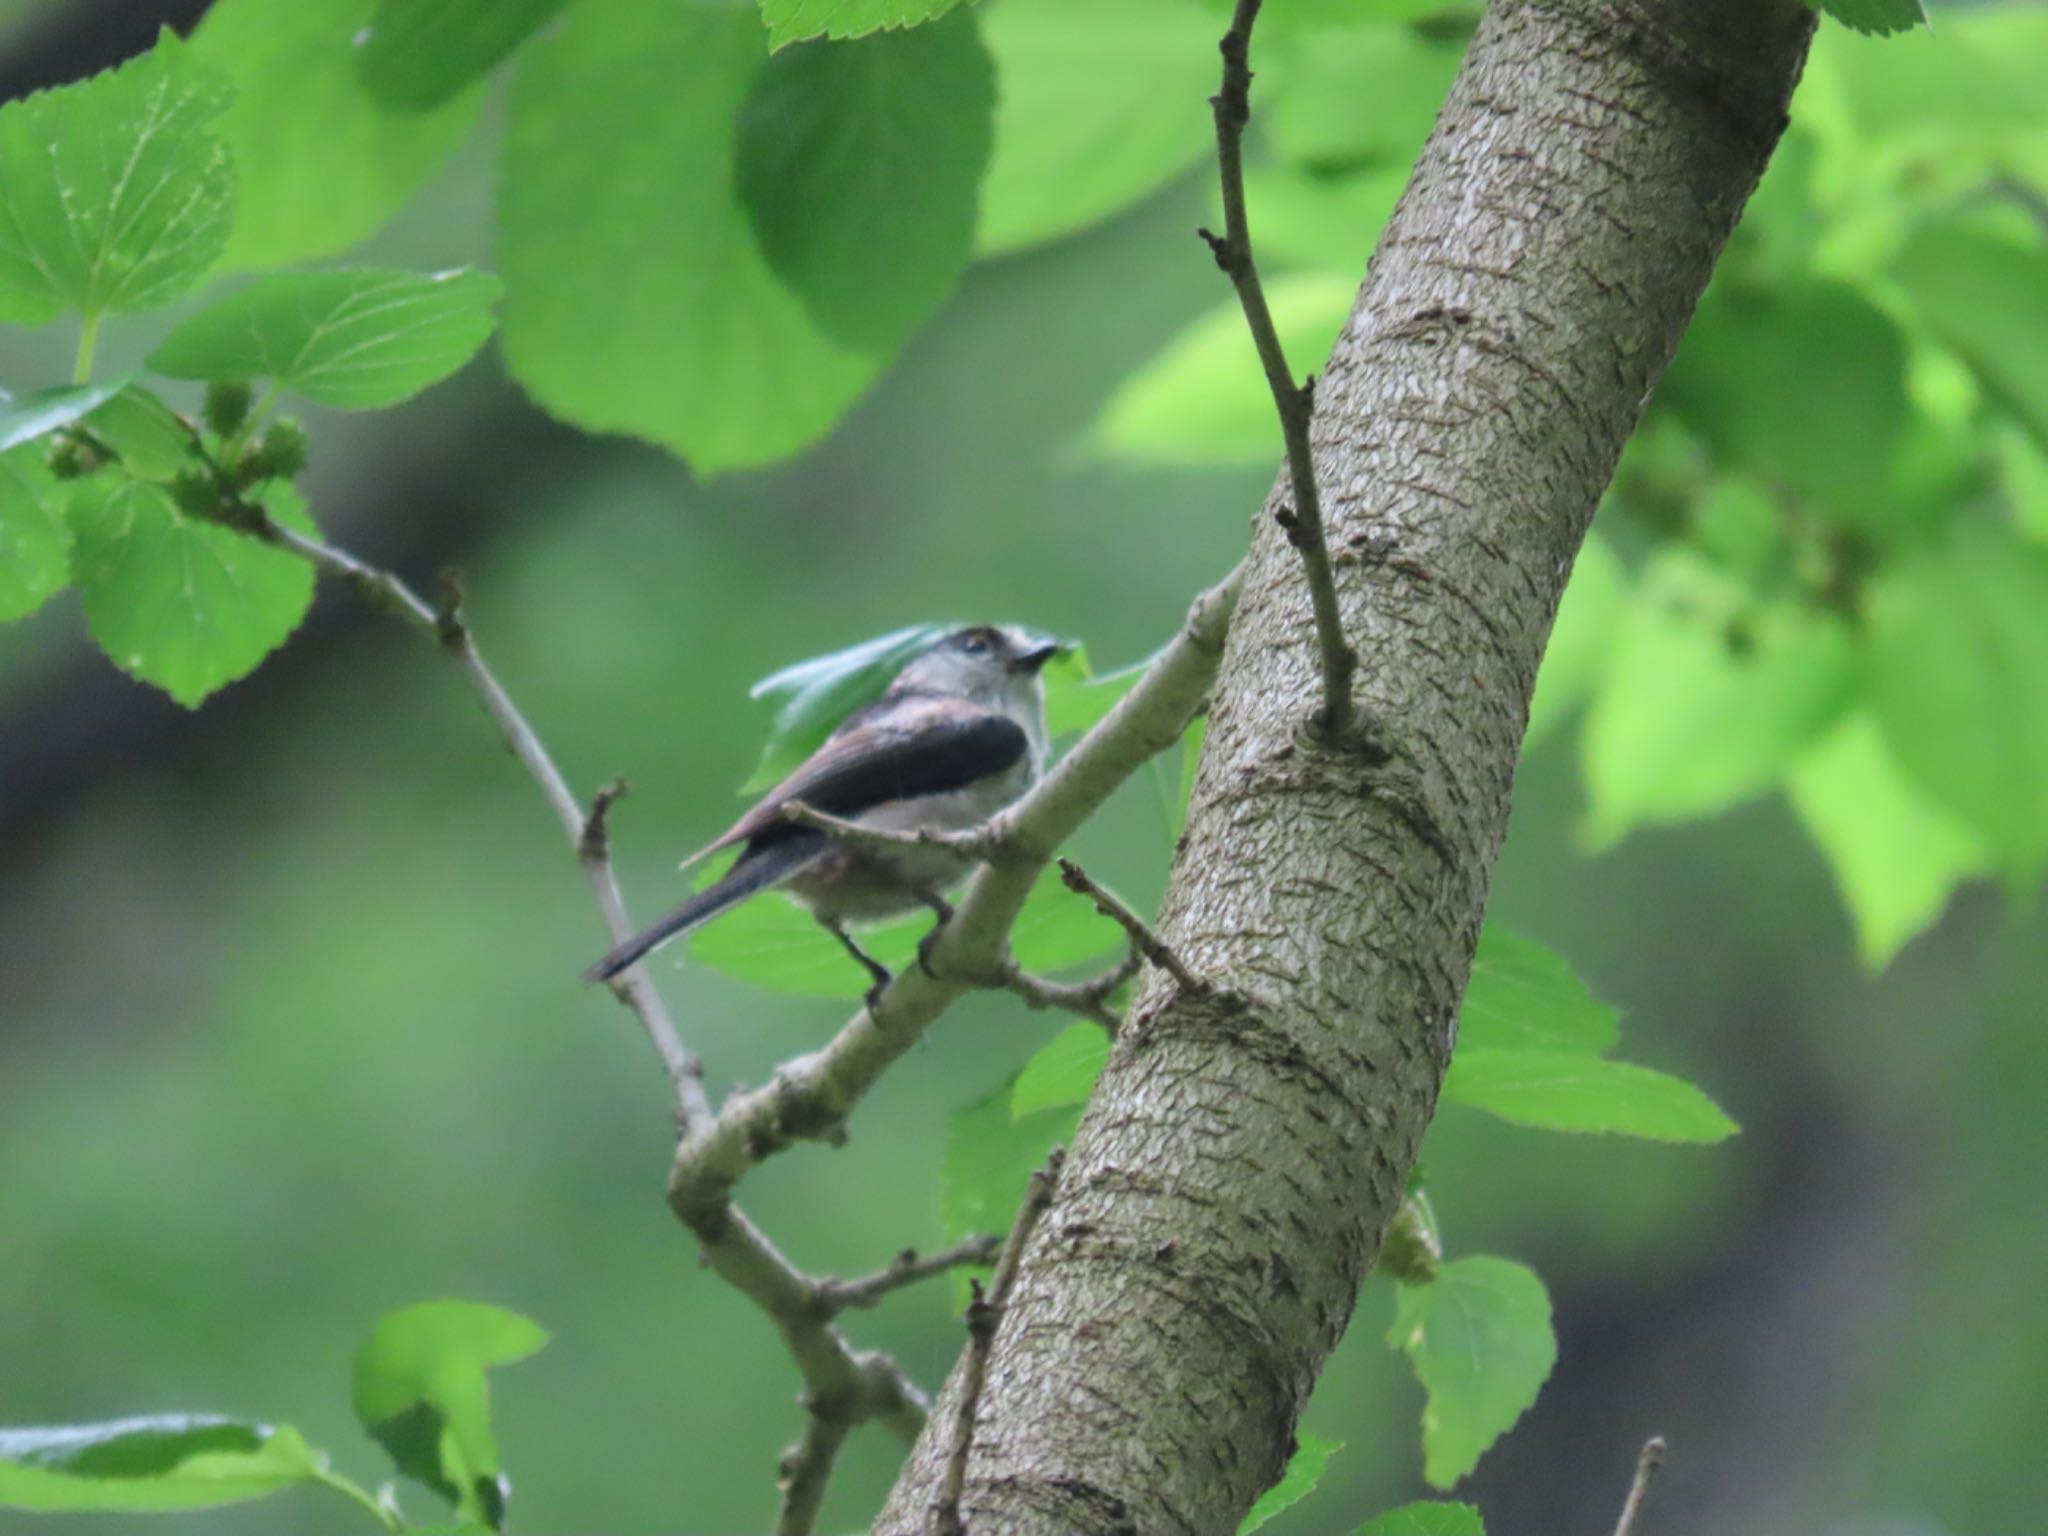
(975, 645)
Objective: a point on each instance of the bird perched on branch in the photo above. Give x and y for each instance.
(957, 736)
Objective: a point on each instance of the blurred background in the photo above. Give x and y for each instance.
(291, 1032)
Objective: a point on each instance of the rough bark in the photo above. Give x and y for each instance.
(1246, 1146)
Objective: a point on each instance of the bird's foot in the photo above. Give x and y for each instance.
(942, 909)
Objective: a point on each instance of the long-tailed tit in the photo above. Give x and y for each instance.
(958, 735)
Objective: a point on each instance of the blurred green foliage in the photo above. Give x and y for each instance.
(284, 1016)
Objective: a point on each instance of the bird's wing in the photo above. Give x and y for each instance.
(899, 748)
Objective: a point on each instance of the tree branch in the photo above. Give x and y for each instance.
(907, 1268)
(983, 842)
(1302, 520)
(984, 1317)
(1143, 940)
(1648, 1464)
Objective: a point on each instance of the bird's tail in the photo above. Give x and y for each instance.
(754, 872)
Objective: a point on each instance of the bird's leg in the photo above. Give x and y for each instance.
(868, 963)
(942, 909)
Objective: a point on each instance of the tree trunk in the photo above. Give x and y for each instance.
(1227, 1189)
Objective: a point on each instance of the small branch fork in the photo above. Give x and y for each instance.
(1648, 1464)
(1303, 521)
(843, 1388)
(984, 1318)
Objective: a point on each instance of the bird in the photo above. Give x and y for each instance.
(956, 736)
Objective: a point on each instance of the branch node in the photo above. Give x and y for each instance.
(595, 842)
(1648, 1464)
(448, 625)
(1143, 939)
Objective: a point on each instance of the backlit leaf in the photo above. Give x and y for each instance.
(161, 1462)
(1582, 638)
(1480, 1340)
(34, 546)
(791, 21)
(1522, 997)
(1557, 1091)
(1063, 1071)
(1304, 1471)
(1426, 1519)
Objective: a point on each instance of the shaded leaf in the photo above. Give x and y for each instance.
(1986, 296)
(1523, 997)
(147, 435)
(34, 546)
(1303, 216)
(116, 193)
(1582, 638)
(1557, 1091)
(1877, 17)
(1075, 699)
(320, 163)
(355, 340)
(1304, 1471)
(1203, 398)
(1325, 112)
(1958, 651)
(1426, 1519)
(160, 1462)
(1062, 1072)
(619, 220)
(791, 21)
(990, 1157)
(859, 164)
(811, 697)
(187, 605)
(1480, 1340)
(421, 53)
(419, 1388)
(25, 418)
(1096, 106)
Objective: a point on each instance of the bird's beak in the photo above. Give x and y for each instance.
(1037, 656)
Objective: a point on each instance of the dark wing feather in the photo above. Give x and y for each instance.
(899, 748)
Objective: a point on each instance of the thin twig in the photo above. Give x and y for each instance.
(982, 842)
(984, 1318)
(907, 1268)
(1303, 521)
(1084, 999)
(1143, 939)
(1647, 1466)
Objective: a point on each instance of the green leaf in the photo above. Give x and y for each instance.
(1896, 857)
(321, 164)
(1524, 998)
(421, 1391)
(1356, 95)
(813, 696)
(990, 1157)
(147, 435)
(1700, 704)
(355, 340)
(1479, 1338)
(1063, 1071)
(791, 21)
(1075, 699)
(1987, 297)
(859, 164)
(28, 417)
(187, 605)
(1876, 17)
(1582, 638)
(34, 546)
(115, 193)
(1304, 1471)
(1305, 216)
(1426, 1519)
(1958, 651)
(422, 53)
(1096, 106)
(2022, 478)
(619, 221)
(1203, 398)
(772, 942)
(163, 1462)
(1556, 1091)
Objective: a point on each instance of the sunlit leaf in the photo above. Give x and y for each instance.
(859, 164)
(1897, 857)
(1582, 638)
(1426, 1519)
(187, 605)
(1062, 1072)
(619, 221)
(1557, 1091)
(1203, 398)
(791, 21)
(420, 1389)
(1096, 106)
(320, 163)
(34, 545)
(1522, 997)
(356, 340)
(162, 1462)
(1480, 1340)
(116, 193)
(1958, 651)
(421, 53)
(1304, 1471)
